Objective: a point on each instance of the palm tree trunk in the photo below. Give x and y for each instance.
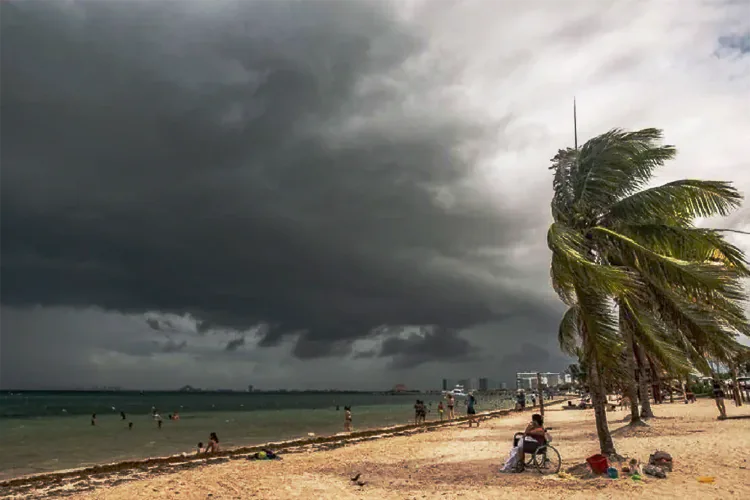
(646, 411)
(655, 382)
(630, 365)
(599, 401)
(736, 387)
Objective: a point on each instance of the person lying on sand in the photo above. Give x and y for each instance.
(200, 448)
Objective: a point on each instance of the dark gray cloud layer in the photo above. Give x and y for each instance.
(155, 159)
(248, 163)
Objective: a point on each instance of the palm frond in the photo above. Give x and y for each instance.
(569, 334)
(687, 243)
(572, 260)
(618, 163)
(652, 334)
(693, 324)
(697, 277)
(563, 165)
(601, 339)
(679, 202)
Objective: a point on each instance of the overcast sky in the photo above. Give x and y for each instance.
(324, 194)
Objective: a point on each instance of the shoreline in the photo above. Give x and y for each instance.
(166, 464)
(453, 461)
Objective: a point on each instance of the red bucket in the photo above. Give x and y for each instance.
(598, 464)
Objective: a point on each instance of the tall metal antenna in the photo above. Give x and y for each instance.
(575, 124)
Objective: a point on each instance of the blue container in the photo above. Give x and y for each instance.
(612, 473)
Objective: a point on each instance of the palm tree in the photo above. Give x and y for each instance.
(640, 280)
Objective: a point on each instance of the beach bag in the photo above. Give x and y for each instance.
(661, 459)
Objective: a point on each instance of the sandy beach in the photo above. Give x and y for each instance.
(458, 462)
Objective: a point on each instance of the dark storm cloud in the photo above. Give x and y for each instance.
(154, 323)
(247, 163)
(431, 344)
(366, 354)
(529, 358)
(235, 344)
(172, 346)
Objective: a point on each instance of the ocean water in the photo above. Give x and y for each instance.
(47, 431)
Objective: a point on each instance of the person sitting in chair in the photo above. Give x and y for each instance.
(533, 437)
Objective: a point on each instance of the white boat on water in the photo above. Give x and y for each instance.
(457, 392)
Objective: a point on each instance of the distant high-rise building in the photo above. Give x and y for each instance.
(504, 386)
(466, 383)
(484, 384)
(473, 384)
(445, 384)
(250, 388)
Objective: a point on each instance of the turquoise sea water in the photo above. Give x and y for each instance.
(46, 431)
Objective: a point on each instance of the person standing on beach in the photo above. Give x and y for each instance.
(520, 401)
(451, 402)
(347, 419)
(719, 398)
(441, 410)
(122, 414)
(93, 419)
(470, 410)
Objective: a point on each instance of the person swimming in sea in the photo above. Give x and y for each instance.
(93, 419)
(130, 426)
(122, 414)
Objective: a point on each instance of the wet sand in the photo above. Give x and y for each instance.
(458, 462)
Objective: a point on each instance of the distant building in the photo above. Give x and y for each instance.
(473, 384)
(465, 383)
(484, 384)
(553, 379)
(250, 388)
(529, 379)
(524, 383)
(445, 384)
(504, 386)
(568, 378)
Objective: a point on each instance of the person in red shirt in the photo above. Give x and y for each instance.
(535, 430)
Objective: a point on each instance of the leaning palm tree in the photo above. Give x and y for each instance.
(631, 266)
